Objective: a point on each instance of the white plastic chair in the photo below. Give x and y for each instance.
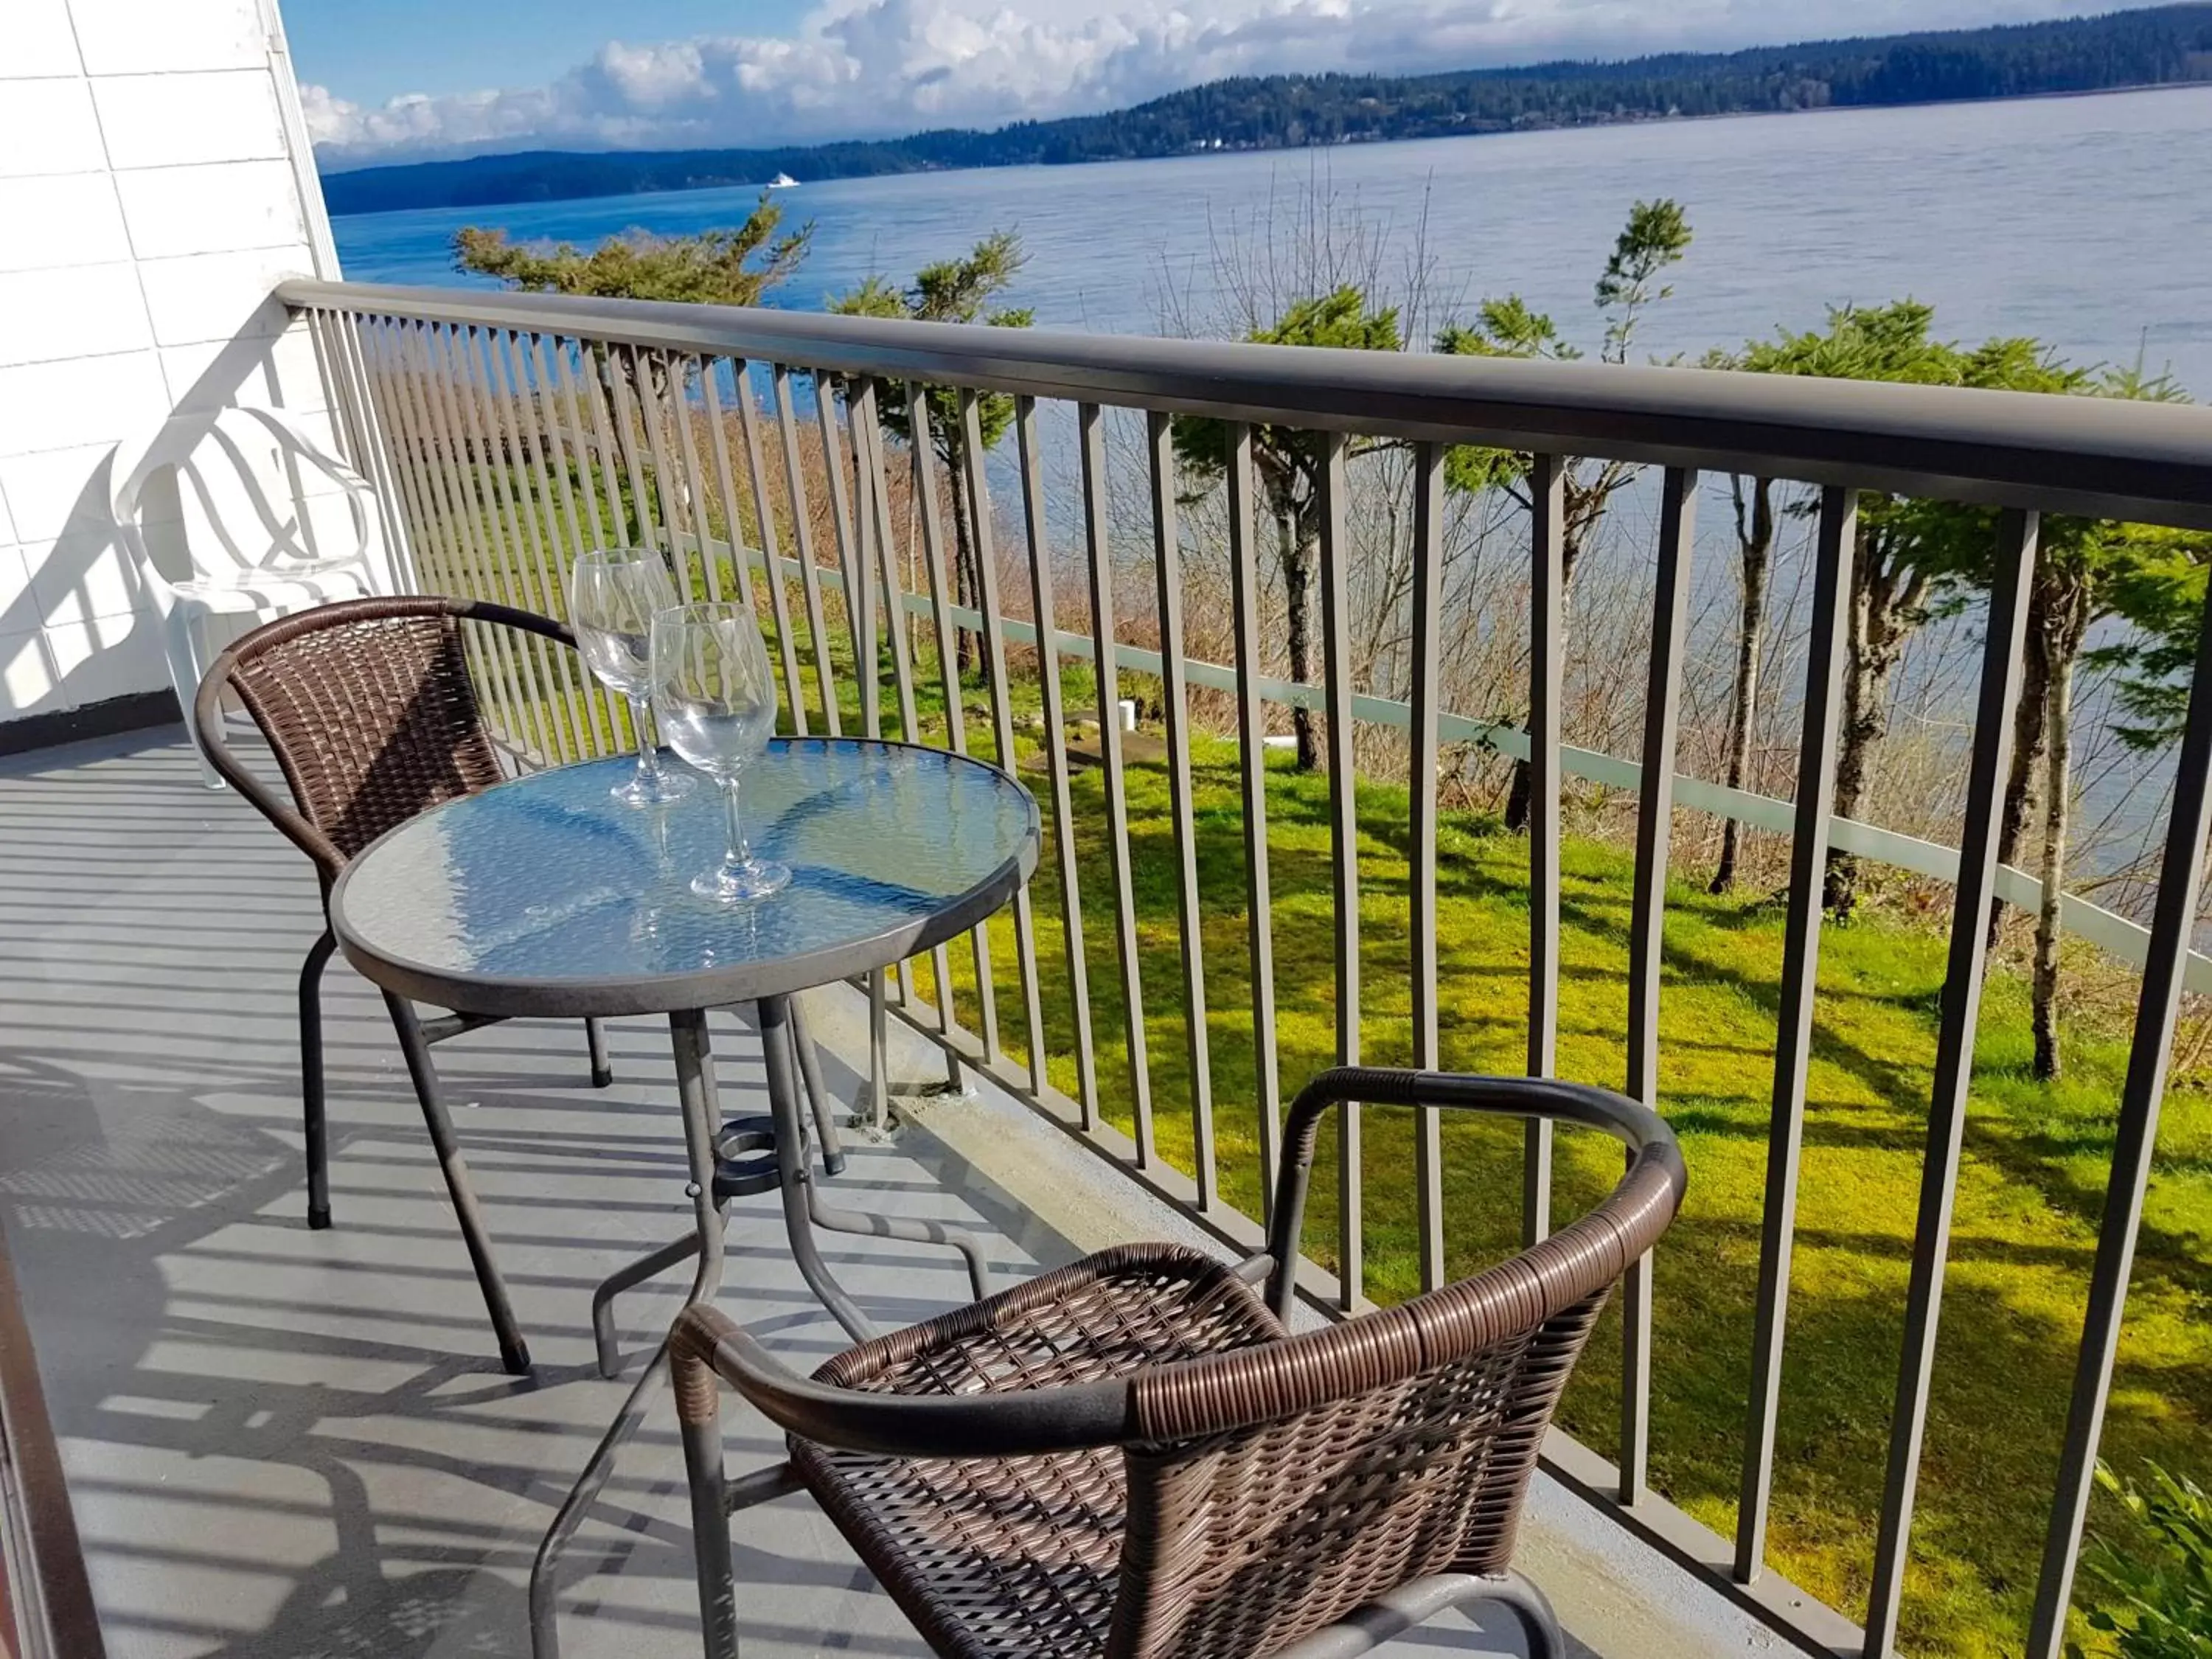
(254, 548)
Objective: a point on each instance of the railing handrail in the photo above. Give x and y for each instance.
(2108, 457)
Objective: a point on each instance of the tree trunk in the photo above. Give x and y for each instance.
(2057, 807)
(1519, 795)
(1518, 798)
(1885, 607)
(966, 571)
(1755, 543)
(1866, 706)
(1299, 550)
(2027, 735)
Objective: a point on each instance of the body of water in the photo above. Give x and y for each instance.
(2084, 221)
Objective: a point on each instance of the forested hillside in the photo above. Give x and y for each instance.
(2160, 46)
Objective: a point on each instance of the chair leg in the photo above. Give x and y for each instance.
(513, 1352)
(595, 1039)
(311, 1096)
(1534, 1609)
(699, 1416)
(1412, 1604)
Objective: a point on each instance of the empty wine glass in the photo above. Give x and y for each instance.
(714, 694)
(613, 596)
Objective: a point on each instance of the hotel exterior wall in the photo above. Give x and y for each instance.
(155, 183)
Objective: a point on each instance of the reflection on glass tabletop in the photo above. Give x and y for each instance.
(547, 896)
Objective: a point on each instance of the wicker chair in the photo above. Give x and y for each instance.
(1133, 1458)
(369, 709)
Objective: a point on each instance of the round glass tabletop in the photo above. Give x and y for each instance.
(546, 896)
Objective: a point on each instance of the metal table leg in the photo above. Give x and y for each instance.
(694, 1087)
(623, 1278)
(802, 1211)
(818, 1092)
(833, 1219)
(736, 1178)
(595, 1039)
(797, 1183)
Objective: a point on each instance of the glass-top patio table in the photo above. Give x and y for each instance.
(546, 896)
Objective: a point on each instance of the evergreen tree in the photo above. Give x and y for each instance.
(734, 267)
(952, 291)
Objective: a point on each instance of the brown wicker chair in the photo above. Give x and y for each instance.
(369, 709)
(1132, 1458)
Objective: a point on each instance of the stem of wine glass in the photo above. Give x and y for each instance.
(648, 757)
(739, 854)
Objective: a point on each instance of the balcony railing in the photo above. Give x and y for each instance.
(45, 1599)
(506, 433)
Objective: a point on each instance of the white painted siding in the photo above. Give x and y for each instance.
(149, 197)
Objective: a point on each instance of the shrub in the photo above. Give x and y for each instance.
(2162, 1582)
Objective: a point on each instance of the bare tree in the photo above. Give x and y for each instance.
(1656, 238)
(1754, 540)
(1311, 268)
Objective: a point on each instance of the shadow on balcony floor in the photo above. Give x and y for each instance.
(285, 1444)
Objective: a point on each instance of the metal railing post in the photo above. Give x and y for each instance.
(1252, 775)
(2180, 880)
(1104, 644)
(1426, 695)
(1344, 848)
(1655, 826)
(1174, 715)
(2004, 634)
(1793, 1045)
(1055, 754)
(802, 536)
(1002, 719)
(1547, 635)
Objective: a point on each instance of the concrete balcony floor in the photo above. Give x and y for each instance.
(284, 1443)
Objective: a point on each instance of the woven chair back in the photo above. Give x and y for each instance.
(371, 713)
(1282, 1488)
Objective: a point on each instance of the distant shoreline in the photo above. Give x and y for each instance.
(2151, 50)
(1289, 150)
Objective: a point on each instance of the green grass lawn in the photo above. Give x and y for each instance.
(2029, 1197)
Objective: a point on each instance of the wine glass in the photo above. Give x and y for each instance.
(714, 695)
(613, 596)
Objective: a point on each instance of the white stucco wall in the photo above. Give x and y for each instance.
(154, 184)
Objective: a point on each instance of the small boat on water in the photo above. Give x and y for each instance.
(783, 181)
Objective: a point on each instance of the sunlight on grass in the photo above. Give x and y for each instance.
(2029, 1200)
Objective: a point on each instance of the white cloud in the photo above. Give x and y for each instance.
(878, 67)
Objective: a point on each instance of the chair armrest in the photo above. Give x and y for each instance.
(1022, 1423)
(1649, 1141)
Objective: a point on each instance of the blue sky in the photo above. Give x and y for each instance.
(399, 79)
(374, 49)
